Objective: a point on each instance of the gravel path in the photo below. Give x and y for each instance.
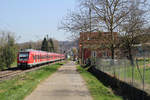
(65, 84)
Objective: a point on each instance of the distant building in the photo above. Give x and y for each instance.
(94, 44)
(141, 50)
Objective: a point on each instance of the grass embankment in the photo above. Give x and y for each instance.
(21, 86)
(125, 72)
(122, 72)
(96, 88)
(136, 74)
(14, 64)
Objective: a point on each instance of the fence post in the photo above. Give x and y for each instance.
(143, 81)
(132, 74)
(124, 70)
(144, 74)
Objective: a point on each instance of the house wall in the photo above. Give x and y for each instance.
(94, 42)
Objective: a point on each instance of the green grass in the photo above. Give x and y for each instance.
(141, 62)
(96, 88)
(14, 64)
(21, 86)
(122, 71)
(136, 74)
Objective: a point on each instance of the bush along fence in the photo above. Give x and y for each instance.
(136, 75)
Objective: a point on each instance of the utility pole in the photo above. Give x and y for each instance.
(47, 36)
(90, 12)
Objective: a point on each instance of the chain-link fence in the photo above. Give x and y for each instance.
(137, 75)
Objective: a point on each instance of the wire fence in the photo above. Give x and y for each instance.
(137, 75)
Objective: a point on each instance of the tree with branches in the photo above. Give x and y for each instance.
(133, 28)
(44, 46)
(79, 21)
(8, 49)
(110, 14)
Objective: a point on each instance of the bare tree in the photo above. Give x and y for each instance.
(133, 27)
(79, 21)
(74, 51)
(110, 14)
(56, 45)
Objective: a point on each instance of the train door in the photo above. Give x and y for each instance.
(34, 57)
(37, 57)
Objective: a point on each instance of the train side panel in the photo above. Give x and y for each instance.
(34, 57)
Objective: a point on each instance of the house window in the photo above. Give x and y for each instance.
(105, 54)
(94, 53)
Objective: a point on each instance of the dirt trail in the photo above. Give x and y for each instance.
(65, 84)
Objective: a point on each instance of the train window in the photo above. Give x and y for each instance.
(35, 57)
(23, 56)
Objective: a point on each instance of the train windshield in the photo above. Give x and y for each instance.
(23, 56)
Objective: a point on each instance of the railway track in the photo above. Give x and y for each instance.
(6, 75)
(9, 75)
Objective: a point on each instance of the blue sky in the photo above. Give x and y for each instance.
(33, 19)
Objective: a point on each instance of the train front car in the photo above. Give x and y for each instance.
(22, 59)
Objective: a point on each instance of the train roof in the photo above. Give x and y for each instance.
(32, 50)
(29, 50)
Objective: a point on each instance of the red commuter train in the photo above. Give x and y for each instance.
(28, 58)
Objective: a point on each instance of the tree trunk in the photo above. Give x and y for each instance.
(112, 45)
(130, 56)
(112, 54)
